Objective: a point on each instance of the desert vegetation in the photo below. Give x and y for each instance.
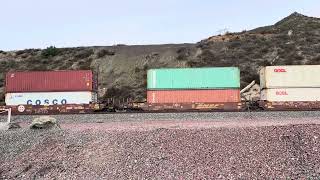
(122, 68)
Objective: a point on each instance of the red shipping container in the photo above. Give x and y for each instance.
(49, 81)
(194, 96)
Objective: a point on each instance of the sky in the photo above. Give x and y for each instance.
(71, 23)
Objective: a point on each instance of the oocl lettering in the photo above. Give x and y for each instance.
(279, 70)
(281, 93)
(46, 102)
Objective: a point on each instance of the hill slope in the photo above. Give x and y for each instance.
(122, 69)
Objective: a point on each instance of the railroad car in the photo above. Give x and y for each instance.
(50, 92)
(295, 87)
(169, 89)
(193, 89)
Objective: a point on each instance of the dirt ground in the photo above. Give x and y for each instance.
(174, 124)
(241, 148)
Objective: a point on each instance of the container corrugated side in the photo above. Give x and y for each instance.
(291, 94)
(194, 78)
(49, 98)
(193, 96)
(290, 76)
(49, 81)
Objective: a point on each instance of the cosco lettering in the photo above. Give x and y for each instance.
(46, 102)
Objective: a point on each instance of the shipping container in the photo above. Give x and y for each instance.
(290, 76)
(49, 81)
(193, 96)
(49, 98)
(194, 78)
(291, 94)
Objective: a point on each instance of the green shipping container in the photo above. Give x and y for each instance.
(194, 78)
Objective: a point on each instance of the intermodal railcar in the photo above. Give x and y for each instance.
(170, 89)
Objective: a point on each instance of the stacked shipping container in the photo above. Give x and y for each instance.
(193, 85)
(290, 83)
(49, 88)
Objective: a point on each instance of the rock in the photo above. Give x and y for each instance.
(44, 122)
(13, 125)
(4, 126)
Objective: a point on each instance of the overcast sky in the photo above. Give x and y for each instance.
(68, 23)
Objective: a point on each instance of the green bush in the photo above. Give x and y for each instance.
(49, 52)
(2, 99)
(1, 81)
(7, 65)
(316, 59)
(183, 53)
(83, 53)
(118, 93)
(27, 52)
(85, 64)
(229, 33)
(40, 68)
(317, 49)
(145, 67)
(264, 50)
(264, 63)
(234, 44)
(137, 69)
(20, 52)
(105, 52)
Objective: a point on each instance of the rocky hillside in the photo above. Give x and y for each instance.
(122, 69)
(295, 40)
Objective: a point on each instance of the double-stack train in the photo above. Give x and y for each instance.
(171, 89)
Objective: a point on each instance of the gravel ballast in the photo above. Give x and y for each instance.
(152, 146)
(173, 116)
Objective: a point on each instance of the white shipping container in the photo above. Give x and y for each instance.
(290, 76)
(291, 94)
(49, 98)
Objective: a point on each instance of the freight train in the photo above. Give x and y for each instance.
(173, 89)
